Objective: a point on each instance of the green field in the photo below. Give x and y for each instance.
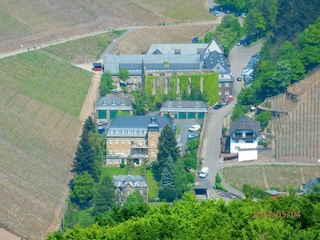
(153, 188)
(278, 176)
(49, 80)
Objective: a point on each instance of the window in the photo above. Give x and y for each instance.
(226, 93)
(153, 153)
(236, 140)
(117, 141)
(129, 152)
(110, 141)
(226, 84)
(153, 143)
(122, 141)
(220, 85)
(128, 192)
(123, 152)
(141, 192)
(110, 152)
(220, 93)
(153, 134)
(117, 151)
(129, 141)
(249, 141)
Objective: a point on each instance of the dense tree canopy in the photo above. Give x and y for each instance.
(288, 217)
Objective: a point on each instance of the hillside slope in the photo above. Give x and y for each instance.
(296, 133)
(32, 22)
(39, 127)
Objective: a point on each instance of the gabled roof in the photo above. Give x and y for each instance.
(184, 106)
(311, 184)
(187, 48)
(272, 192)
(137, 125)
(215, 61)
(135, 181)
(154, 62)
(245, 124)
(115, 102)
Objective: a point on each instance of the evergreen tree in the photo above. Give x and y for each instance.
(167, 146)
(105, 196)
(168, 188)
(82, 190)
(181, 178)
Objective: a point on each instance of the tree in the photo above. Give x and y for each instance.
(134, 206)
(130, 165)
(181, 179)
(167, 146)
(82, 190)
(106, 84)
(263, 118)
(167, 184)
(123, 74)
(105, 196)
(139, 102)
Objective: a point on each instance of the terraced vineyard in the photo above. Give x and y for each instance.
(140, 39)
(297, 134)
(40, 101)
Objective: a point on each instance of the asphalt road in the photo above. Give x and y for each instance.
(238, 58)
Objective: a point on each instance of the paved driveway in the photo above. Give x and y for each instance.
(210, 152)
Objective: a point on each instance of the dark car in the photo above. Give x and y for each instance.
(217, 106)
(239, 79)
(192, 136)
(195, 39)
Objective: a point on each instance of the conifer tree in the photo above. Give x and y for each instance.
(167, 146)
(168, 188)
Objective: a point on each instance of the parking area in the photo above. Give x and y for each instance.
(184, 125)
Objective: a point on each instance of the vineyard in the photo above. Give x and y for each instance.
(210, 87)
(280, 177)
(297, 134)
(40, 102)
(34, 22)
(139, 40)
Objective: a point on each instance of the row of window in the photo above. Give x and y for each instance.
(246, 141)
(124, 152)
(223, 85)
(226, 93)
(129, 132)
(131, 141)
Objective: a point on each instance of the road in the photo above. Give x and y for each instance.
(238, 58)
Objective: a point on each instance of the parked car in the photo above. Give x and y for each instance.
(195, 39)
(239, 79)
(192, 135)
(217, 106)
(216, 13)
(204, 172)
(194, 128)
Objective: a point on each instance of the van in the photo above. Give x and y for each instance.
(204, 172)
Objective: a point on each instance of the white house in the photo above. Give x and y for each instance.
(244, 135)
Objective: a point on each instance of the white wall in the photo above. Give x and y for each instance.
(246, 155)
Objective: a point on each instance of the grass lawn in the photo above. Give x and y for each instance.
(153, 188)
(278, 176)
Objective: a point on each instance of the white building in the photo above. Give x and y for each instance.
(244, 136)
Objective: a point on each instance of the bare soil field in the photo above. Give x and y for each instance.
(34, 22)
(139, 40)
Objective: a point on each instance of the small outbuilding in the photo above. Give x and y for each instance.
(184, 109)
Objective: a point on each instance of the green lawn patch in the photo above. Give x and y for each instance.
(49, 80)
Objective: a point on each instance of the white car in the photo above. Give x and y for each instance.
(204, 172)
(194, 128)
